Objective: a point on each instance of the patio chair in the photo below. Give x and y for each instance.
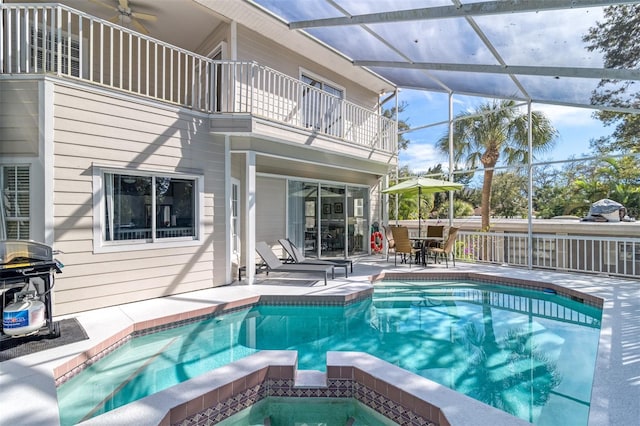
(276, 265)
(437, 233)
(447, 248)
(391, 243)
(403, 244)
(297, 256)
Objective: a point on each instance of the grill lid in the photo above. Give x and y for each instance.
(23, 252)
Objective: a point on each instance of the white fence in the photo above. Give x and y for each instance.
(47, 38)
(606, 255)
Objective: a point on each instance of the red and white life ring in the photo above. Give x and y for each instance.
(376, 242)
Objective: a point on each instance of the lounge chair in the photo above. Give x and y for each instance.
(296, 256)
(403, 245)
(447, 248)
(274, 264)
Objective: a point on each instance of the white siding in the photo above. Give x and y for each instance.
(18, 118)
(92, 128)
(271, 201)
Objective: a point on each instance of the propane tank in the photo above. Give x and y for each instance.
(24, 316)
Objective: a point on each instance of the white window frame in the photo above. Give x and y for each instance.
(100, 245)
(20, 218)
(316, 113)
(325, 81)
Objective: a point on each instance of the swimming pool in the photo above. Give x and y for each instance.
(526, 352)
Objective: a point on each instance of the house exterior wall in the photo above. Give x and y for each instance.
(119, 118)
(219, 35)
(271, 202)
(19, 117)
(93, 128)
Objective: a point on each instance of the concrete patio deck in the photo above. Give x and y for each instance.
(27, 385)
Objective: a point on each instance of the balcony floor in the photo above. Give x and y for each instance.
(28, 386)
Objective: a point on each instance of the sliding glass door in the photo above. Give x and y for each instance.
(332, 221)
(328, 220)
(302, 216)
(358, 219)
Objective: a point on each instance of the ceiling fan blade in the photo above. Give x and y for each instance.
(138, 25)
(115, 19)
(144, 16)
(124, 4)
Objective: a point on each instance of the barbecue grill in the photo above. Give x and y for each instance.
(27, 270)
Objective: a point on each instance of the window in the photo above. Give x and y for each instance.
(14, 202)
(70, 52)
(322, 106)
(149, 208)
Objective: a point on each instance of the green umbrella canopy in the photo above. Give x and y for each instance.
(424, 185)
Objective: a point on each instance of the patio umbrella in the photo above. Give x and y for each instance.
(422, 185)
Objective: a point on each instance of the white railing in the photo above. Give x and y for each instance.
(49, 38)
(593, 254)
(248, 87)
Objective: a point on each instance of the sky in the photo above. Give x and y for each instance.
(576, 127)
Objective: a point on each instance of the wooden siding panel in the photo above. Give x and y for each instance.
(91, 129)
(79, 305)
(19, 118)
(108, 282)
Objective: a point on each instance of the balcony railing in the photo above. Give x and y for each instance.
(47, 38)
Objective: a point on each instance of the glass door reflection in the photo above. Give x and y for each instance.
(357, 217)
(332, 221)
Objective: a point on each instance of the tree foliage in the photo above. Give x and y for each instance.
(618, 38)
(403, 126)
(509, 195)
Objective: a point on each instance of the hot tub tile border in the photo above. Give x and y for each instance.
(278, 388)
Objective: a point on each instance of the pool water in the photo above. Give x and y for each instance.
(312, 411)
(526, 352)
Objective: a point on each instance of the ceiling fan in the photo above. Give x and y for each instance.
(126, 16)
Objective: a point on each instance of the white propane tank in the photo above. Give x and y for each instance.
(23, 317)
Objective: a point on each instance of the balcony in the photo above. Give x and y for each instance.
(67, 43)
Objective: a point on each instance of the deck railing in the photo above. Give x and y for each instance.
(49, 38)
(591, 254)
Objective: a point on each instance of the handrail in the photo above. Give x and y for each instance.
(619, 256)
(54, 38)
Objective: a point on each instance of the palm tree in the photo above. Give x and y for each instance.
(493, 130)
